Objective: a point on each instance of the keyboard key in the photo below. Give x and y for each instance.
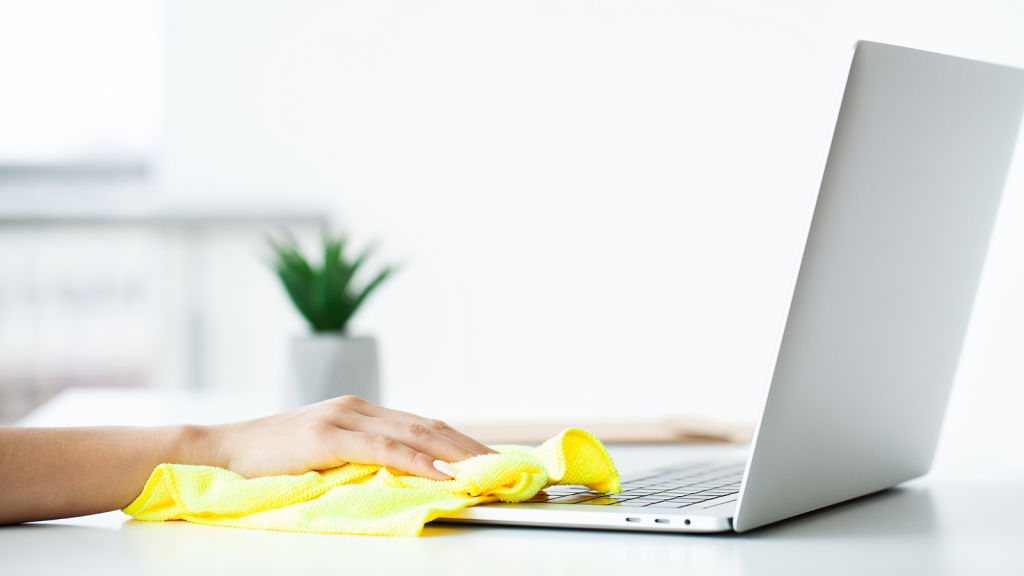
(714, 503)
(574, 498)
(603, 502)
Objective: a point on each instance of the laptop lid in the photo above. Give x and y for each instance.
(884, 292)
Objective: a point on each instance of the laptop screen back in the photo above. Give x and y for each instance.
(894, 254)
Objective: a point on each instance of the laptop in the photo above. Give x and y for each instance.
(880, 307)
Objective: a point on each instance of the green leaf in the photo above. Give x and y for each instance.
(325, 295)
(372, 286)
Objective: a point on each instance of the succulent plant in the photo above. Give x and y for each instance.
(326, 295)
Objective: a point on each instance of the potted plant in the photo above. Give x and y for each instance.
(328, 362)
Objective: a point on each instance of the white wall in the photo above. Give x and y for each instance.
(82, 81)
(599, 205)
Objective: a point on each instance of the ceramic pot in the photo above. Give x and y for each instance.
(329, 365)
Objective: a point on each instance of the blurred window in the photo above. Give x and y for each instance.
(81, 100)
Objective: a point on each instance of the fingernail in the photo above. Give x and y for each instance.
(445, 468)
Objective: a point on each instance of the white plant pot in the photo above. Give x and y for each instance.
(325, 366)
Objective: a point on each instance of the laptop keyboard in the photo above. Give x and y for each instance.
(675, 487)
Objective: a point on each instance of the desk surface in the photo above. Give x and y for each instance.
(963, 518)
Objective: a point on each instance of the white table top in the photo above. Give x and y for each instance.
(963, 518)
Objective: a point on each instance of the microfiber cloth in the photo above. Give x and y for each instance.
(370, 499)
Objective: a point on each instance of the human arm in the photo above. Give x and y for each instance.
(48, 473)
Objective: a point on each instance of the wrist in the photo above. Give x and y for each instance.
(197, 445)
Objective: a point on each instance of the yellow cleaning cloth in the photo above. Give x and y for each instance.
(368, 499)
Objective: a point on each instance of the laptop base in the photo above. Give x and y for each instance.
(689, 498)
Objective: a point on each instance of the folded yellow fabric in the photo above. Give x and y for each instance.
(367, 499)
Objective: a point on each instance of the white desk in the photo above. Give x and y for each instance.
(967, 517)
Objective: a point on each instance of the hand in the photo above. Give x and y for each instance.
(332, 433)
(60, 472)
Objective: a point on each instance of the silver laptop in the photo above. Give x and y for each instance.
(880, 307)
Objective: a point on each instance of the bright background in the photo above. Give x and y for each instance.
(598, 206)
